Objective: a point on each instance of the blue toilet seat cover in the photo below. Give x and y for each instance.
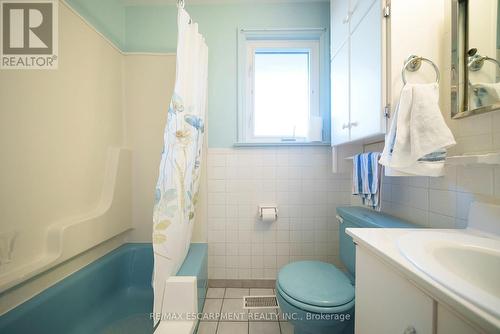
(316, 283)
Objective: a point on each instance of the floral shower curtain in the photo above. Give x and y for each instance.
(179, 174)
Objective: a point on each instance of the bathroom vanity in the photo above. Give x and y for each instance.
(404, 290)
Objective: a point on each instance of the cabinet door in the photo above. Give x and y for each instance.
(339, 25)
(340, 96)
(358, 9)
(386, 302)
(367, 118)
(448, 322)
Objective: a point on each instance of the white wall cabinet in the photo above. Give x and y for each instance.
(367, 117)
(379, 36)
(340, 95)
(339, 25)
(386, 302)
(358, 9)
(357, 101)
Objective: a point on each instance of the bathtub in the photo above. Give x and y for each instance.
(111, 295)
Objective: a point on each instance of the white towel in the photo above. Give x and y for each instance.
(484, 94)
(367, 178)
(418, 129)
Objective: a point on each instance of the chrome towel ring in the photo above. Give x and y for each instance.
(476, 62)
(413, 64)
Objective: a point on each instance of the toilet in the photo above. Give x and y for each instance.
(317, 297)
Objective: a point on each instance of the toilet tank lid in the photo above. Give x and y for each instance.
(364, 217)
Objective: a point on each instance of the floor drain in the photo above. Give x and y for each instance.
(256, 302)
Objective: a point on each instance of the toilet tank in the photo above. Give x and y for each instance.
(359, 217)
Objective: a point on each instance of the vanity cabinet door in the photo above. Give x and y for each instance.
(448, 322)
(340, 96)
(367, 118)
(339, 25)
(386, 302)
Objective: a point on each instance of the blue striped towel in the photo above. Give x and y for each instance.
(366, 178)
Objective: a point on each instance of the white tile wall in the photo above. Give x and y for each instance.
(440, 202)
(299, 180)
(444, 202)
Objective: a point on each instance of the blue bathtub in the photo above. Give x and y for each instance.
(111, 295)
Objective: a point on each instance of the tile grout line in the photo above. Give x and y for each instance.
(220, 312)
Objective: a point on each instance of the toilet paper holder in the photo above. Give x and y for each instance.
(265, 207)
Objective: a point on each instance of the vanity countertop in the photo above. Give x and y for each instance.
(383, 243)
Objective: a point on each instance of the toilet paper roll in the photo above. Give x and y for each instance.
(268, 215)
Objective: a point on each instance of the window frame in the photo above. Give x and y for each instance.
(311, 40)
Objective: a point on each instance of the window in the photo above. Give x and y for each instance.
(279, 87)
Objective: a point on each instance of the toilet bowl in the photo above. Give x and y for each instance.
(317, 297)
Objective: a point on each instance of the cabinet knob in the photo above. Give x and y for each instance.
(410, 330)
(354, 124)
(345, 126)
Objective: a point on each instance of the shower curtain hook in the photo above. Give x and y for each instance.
(180, 3)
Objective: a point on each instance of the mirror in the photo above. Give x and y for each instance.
(475, 68)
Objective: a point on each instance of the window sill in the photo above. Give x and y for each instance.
(281, 144)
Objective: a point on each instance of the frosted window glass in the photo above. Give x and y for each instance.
(281, 103)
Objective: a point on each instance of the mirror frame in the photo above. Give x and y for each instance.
(459, 71)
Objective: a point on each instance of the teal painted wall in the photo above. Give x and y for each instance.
(153, 28)
(107, 16)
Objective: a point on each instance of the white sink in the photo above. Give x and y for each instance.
(465, 263)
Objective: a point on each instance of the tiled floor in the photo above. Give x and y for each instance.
(224, 314)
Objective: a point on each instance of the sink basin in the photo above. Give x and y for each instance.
(465, 263)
